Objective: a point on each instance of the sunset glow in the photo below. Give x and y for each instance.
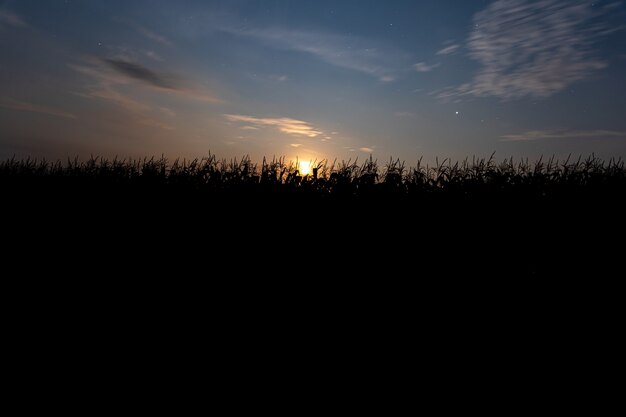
(304, 168)
(333, 79)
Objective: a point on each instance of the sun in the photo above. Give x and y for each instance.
(304, 168)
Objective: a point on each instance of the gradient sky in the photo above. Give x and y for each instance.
(312, 78)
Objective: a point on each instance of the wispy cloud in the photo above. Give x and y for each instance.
(366, 150)
(354, 53)
(10, 103)
(144, 31)
(448, 50)
(424, 67)
(110, 73)
(141, 113)
(563, 134)
(404, 114)
(156, 123)
(284, 124)
(295, 145)
(129, 54)
(153, 36)
(107, 92)
(11, 19)
(122, 83)
(153, 55)
(95, 69)
(141, 73)
(533, 48)
(168, 112)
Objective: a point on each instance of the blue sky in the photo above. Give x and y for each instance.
(312, 79)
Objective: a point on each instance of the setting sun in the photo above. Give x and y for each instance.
(304, 168)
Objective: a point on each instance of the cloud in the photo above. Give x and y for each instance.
(448, 50)
(11, 19)
(350, 52)
(102, 74)
(10, 103)
(295, 145)
(153, 36)
(367, 150)
(142, 113)
(424, 67)
(533, 48)
(122, 83)
(168, 112)
(106, 92)
(157, 124)
(153, 55)
(140, 73)
(286, 125)
(563, 134)
(110, 73)
(277, 78)
(143, 31)
(125, 53)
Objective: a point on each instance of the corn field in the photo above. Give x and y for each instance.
(478, 176)
(510, 218)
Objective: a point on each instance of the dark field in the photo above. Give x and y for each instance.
(492, 218)
(211, 177)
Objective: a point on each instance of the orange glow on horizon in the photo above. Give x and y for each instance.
(304, 168)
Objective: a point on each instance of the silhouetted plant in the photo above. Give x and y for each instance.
(465, 178)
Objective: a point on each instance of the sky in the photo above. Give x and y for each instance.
(312, 79)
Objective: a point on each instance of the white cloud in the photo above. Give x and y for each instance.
(295, 145)
(276, 78)
(145, 32)
(532, 48)
(11, 19)
(448, 50)
(153, 55)
(424, 67)
(358, 54)
(286, 125)
(533, 135)
(10, 103)
(366, 150)
(153, 36)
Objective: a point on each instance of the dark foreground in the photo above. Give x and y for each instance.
(476, 273)
(478, 219)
